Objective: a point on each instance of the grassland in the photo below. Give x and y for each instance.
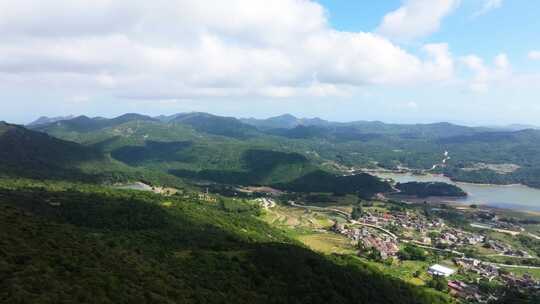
(327, 242)
(535, 273)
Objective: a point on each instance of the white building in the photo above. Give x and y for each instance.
(439, 270)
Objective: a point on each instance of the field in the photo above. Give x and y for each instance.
(297, 218)
(310, 227)
(404, 270)
(327, 242)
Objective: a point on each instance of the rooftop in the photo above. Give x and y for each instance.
(441, 270)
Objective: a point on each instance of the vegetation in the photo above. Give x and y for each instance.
(412, 253)
(83, 241)
(439, 283)
(364, 185)
(429, 189)
(65, 242)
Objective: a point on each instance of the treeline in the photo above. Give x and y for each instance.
(364, 185)
(420, 189)
(527, 176)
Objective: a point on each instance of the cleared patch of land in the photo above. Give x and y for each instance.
(327, 242)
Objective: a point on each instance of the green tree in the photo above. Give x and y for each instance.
(412, 253)
(439, 283)
(357, 212)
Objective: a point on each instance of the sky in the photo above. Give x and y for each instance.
(474, 62)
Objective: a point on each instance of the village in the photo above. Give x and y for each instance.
(386, 231)
(466, 256)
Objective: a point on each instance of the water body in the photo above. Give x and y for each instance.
(517, 197)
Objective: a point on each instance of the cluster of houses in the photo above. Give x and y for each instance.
(507, 250)
(385, 245)
(405, 220)
(457, 237)
(493, 221)
(525, 282)
(368, 239)
(410, 221)
(484, 270)
(488, 272)
(468, 292)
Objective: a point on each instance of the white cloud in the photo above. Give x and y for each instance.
(169, 49)
(534, 55)
(489, 5)
(483, 75)
(416, 18)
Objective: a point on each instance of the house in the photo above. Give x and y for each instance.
(439, 270)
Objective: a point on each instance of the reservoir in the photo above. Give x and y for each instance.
(517, 197)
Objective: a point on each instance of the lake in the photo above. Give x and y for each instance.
(517, 197)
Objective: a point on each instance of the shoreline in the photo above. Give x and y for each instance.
(414, 173)
(448, 201)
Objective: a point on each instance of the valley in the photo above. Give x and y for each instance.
(195, 190)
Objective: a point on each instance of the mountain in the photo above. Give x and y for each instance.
(44, 120)
(168, 118)
(257, 167)
(216, 125)
(34, 154)
(87, 124)
(511, 127)
(202, 145)
(285, 121)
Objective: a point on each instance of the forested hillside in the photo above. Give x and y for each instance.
(35, 154)
(212, 147)
(65, 242)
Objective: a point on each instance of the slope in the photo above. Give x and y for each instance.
(112, 246)
(34, 154)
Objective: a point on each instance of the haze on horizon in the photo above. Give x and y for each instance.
(467, 62)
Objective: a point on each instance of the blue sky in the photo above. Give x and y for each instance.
(473, 62)
(512, 28)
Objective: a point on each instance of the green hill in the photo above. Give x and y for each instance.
(216, 144)
(257, 166)
(364, 185)
(34, 154)
(85, 124)
(430, 189)
(68, 243)
(217, 125)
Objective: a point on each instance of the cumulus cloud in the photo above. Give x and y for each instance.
(534, 55)
(168, 49)
(416, 18)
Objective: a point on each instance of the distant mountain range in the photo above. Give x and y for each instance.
(43, 120)
(285, 125)
(285, 121)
